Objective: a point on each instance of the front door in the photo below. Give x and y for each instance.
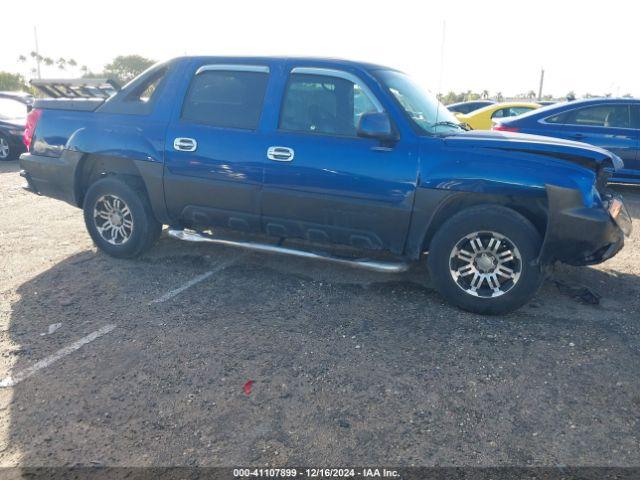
(324, 183)
(214, 154)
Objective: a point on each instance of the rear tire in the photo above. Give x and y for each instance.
(483, 260)
(6, 151)
(119, 217)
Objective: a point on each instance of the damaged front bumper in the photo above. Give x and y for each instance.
(580, 235)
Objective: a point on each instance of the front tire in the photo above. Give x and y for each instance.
(119, 217)
(483, 260)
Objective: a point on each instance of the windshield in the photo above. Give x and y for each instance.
(424, 110)
(12, 109)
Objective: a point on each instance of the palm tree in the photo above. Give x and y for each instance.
(499, 97)
(485, 94)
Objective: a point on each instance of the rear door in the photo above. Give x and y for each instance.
(214, 149)
(325, 183)
(635, 124)
(604, 125)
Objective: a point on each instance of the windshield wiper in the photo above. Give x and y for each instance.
(448, 123)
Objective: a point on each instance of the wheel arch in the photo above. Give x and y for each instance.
(443, 206)
(145, 175)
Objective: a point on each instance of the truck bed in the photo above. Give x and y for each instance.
(77, 105)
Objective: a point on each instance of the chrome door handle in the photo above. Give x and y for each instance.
(280, 154)
(184, 144)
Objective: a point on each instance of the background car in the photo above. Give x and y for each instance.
(613, 124)
(13, 119)
(468, 107)
(22, 97)
(484, 118)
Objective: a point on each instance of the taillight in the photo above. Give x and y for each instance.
(504, 128)
(32, 121)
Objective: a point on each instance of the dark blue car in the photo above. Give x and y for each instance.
(258, 152)
(610, 123)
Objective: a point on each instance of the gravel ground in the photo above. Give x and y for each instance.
(349, 367)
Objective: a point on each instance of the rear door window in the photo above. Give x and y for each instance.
(226, 98)
(610, 116)
(603, 116)
(635, 116)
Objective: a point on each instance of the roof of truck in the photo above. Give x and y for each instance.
(336, 62)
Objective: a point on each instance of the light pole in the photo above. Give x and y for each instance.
(35, 35)
(541, 83)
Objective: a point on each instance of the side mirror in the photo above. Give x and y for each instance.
(376, 125)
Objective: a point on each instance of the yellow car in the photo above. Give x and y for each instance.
(483, 118)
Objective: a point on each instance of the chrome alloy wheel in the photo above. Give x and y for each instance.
(4, 149)
(113, 219)
(485, 264)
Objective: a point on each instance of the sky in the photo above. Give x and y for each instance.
(499, 46)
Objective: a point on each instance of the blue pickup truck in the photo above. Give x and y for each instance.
(283, 155)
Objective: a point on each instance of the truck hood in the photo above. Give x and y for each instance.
(580, 153)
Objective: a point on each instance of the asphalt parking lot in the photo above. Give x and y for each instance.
(348, 367)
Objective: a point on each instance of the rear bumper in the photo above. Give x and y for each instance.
(579, 235)
(50, 176)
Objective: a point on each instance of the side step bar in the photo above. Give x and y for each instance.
(376, 266)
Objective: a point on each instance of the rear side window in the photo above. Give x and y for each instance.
(323, 104)
(510, 112)
(559, 119)
(519, 110)
(231, 99)
(611, 116)
(144, 92)
(464, 108)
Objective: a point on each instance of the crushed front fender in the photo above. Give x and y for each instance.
(576, 234)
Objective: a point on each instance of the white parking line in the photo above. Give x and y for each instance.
(219, 267)
(13, 380)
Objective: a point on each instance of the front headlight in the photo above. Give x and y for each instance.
(617, 162)
(620, 215)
